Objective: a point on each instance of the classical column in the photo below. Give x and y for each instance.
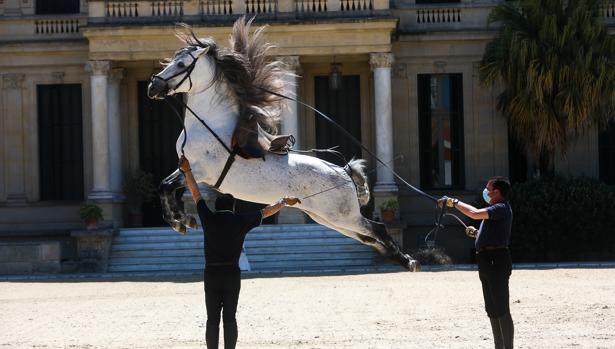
(115, 131)
(381, 65)
(100, 129)
(13, 142)
(290, 116)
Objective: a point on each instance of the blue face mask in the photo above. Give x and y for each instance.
(486, 195)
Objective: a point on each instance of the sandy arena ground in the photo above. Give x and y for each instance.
(565, 308)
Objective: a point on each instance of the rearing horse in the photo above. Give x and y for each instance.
(224, 85)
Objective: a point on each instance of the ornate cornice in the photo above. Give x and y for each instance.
(381, 60)
(98, 67)
(13, 80)
(400, 70)
(117, 74)
(57, 77)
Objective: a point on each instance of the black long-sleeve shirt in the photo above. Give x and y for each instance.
(225, 232)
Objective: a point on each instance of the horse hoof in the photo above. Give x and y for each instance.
(180, 228)
(414, 266)
(191, 222)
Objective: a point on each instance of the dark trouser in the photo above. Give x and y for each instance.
(494, 269)
(221, 294)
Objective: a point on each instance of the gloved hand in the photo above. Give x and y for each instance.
(449, 202)
(183, 164)
(471, 232)
(291, 200)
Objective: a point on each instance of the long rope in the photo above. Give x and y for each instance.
(356, 142)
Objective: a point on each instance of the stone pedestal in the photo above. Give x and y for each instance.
(30, 257)
(93, 247)
(396, 231)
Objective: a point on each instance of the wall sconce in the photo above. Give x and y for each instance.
(335, 77)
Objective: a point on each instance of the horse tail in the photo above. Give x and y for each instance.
(356, 171)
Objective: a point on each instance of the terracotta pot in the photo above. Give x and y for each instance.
(388, 216)
(91, 223)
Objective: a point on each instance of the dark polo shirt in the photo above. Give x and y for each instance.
(495, 231)
(225, 233)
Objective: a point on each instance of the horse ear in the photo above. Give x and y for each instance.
(201, 50)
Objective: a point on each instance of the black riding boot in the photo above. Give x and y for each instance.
(497, 332)
(508, 330)
(212, 336)
(230, 335)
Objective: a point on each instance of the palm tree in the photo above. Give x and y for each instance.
(554, 60)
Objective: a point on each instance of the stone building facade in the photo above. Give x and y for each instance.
(410, 92)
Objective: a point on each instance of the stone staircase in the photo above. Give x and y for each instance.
(269, 248)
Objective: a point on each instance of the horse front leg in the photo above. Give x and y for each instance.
(171, 190)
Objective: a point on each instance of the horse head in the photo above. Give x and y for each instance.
(176, 75)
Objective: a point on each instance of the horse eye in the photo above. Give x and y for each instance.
(181, 64)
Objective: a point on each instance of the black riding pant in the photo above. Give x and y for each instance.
(494, 269)
(221, 295)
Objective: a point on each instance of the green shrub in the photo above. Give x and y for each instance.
(390, 205)
(90, 211)
(563, 219)
(139, 187)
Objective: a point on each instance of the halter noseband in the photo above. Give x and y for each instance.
(188, 71)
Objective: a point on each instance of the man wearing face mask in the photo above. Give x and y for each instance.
(492, 254)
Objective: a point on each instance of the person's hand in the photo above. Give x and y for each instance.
(449, 202)
(291, 200)
(183, 164)
(471, 232)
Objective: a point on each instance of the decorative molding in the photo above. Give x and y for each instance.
(98, 67)
(381, 60)
(439, 67)
(117, 74)
(293, 63)
(400, 70)
(13, 81)
(57, 77)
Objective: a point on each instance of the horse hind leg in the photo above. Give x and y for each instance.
(171, 190)
(373, 234)
(364, 239)
(393, 251)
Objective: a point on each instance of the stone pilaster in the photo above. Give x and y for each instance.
(381, 65)
(290, 116)
(115, 131)
(99, 81)
(13, 139)
(290, 125)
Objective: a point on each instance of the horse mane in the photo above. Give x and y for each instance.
(247, 71)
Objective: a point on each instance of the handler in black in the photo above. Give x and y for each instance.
(224, 232)
(494, 261)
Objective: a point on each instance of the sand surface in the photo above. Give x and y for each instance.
(563, 308)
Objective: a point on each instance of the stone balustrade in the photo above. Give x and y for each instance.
(41, 27)
(465, 15)
(122, 10)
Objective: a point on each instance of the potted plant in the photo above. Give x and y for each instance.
(91, 214)
(139, 188)
(388, 209)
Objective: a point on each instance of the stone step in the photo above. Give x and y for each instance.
(289, 258)
(252, 236)
(198, 231)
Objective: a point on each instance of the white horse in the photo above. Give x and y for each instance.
(224, 85)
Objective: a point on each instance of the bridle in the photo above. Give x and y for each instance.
(187, 71)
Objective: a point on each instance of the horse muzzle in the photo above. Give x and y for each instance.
(157, 88)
